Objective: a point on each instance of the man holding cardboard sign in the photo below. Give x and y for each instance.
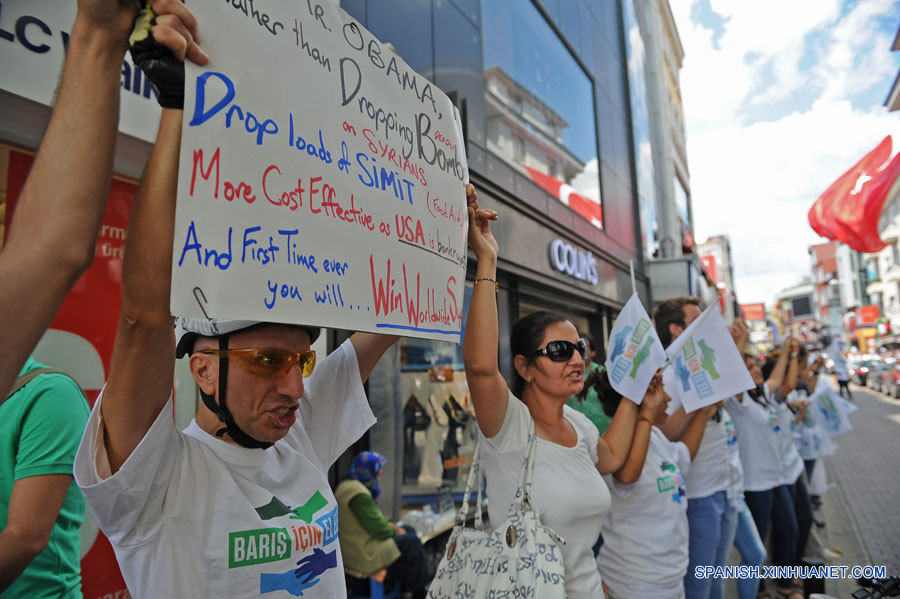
(238, 504)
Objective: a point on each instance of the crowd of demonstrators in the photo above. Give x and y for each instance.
(370, 542)
(710, 515)
(669, 490)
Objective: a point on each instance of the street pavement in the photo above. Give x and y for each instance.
(861, 511)
(865, 483)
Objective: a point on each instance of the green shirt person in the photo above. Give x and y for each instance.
(591, 406)
(41, 507)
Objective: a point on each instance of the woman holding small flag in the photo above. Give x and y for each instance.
(570, 455)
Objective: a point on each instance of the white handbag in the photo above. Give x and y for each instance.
(520, 558)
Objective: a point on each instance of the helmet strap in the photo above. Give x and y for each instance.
(221, 409)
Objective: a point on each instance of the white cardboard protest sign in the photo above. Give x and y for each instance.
(321, 179)
(706, 363)
(635, 351)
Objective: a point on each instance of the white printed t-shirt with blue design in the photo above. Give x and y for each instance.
(191, 516)
(645, 536)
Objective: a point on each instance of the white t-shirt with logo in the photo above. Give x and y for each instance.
(709, 473)
(189, 515)
(792, 462)
(645, 537)
(567, 487)
(757, 430)
(735, 488)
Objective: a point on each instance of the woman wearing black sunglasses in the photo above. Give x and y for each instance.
(570, 455)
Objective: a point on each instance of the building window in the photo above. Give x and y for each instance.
(640, 129)
(535, 90)
(520, 149)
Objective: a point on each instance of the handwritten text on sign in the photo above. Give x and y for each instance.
(321, 179)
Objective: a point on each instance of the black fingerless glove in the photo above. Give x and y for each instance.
(156, 61)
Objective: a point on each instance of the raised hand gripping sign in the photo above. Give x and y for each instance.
(322, 181)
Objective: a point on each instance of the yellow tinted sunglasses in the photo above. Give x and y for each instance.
(269, 362)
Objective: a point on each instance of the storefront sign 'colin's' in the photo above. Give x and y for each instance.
(578, 264)
(321, 179)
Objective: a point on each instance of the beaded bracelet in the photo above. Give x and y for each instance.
(645, 419)
(496, 285)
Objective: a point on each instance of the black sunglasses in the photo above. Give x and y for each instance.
(561, 351)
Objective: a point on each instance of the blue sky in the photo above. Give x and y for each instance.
(780, 98)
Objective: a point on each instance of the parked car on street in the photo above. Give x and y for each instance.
(873, 377)
(859, 372)
(890, 381)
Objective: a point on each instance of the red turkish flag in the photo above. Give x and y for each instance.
(849, 209)
(588, 208)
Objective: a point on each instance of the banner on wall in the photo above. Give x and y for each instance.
(326, 188)
(80, 341)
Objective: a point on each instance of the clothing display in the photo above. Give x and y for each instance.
(645, 537)
(567, 488)
(40, 428)
(189, 515)
(432, 472)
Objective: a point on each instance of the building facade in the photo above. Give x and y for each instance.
(824, 264)
(715, 255)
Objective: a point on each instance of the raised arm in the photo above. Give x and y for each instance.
(776, 377)
(369, 349)
(143, 360)
(637, 454)
(793, 370)
(54, 229)
(676, 425)
(481, 343)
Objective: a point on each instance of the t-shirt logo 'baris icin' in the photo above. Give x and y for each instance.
(674, 481)
(265, 545)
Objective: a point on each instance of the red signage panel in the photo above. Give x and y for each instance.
(868, 315)
(753, 312)
(86, 325)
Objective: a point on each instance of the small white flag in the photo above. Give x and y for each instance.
(707, 364)
(635, 352)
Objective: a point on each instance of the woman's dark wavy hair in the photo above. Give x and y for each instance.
(609, 397)
(527, 334)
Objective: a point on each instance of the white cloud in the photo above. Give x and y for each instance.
(756, 180)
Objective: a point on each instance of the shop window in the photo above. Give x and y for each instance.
(439, 429)
(640, 129)
(536, 92)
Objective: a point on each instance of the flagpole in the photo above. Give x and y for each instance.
(631, 267)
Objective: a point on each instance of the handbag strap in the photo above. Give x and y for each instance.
(474, 471)
(523, 493)
(29, 376)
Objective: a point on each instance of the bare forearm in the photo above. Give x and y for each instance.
(15, 555)
(144, 353)
(776, 378)
(482, 327)
(790, 381)
(617, 438)
(634, 464)
(369, 349)
(52, 236)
